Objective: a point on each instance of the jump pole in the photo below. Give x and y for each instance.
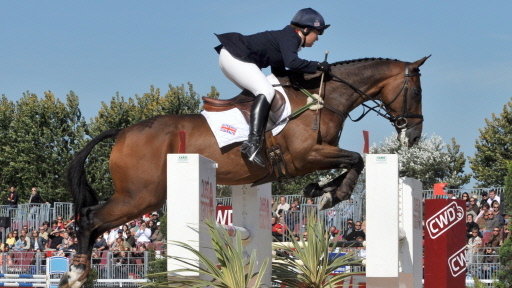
(191, 199)
(393, 225)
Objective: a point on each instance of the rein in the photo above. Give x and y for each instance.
(399, 121)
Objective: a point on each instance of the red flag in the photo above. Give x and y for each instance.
(366, 146)
(439, 188)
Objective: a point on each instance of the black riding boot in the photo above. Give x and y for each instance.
(251, 148)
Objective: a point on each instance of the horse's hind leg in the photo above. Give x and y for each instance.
(95, 220)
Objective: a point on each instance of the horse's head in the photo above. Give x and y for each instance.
(402, 100)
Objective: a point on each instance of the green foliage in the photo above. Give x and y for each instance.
(38, 141)
(157, 270)
(309, 265)
(508, 190)
(505, 273)
(228, 270)
(91, 279)
(430, 161)
(494, 149)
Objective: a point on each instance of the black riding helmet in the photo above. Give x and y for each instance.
(309, 18)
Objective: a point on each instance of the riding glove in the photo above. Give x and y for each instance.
(324, 67)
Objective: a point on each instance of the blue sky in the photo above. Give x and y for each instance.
(98, 48)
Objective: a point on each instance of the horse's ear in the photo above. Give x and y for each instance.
(420, 62)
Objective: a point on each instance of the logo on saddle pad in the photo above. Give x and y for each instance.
(226, 128)
(443, 220)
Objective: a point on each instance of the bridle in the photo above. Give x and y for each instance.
(400, 121)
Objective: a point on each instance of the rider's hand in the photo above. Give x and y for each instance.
(324, 67)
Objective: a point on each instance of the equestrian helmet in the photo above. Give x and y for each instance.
(309, 18)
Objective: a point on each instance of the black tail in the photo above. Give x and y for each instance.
(82, 192)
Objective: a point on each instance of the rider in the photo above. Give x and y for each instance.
(242, 57)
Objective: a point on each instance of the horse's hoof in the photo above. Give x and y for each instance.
(325, 201)
(312, 190)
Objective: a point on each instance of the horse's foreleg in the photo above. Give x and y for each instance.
(341, 187)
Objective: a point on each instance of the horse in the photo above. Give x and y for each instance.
(309, 142)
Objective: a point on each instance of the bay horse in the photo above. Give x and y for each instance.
(138, 157)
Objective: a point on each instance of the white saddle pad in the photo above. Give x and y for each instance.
(230, 126)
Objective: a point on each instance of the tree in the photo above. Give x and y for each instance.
(494, 149)
(508, 190)
(38, 143)
(430, 161)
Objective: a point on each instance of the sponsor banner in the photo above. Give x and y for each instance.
(444, 245)
(224, 215)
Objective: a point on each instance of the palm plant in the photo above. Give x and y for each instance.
(230, 269)
(308, 263)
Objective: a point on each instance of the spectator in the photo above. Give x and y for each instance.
(55, 239)
(120, 245)
(20, 245)
(6, 260)
(282, 206)
(25, 238)
(465, 197)
(474, 244)
(37, 243)
(484, 198)
(10, 240)
(473, 207)
(495, 240)
(73, 246)
(100, 244)
(129, 239)
(60, 223)
(334, 234)
(292, 217)
(489, 264)
(157, 235)
(43, 231)
(491, 222)
(484, 208)
(493, 197)
(154, 217)
(450, 195)
(470, 224)
(278, 229)
(138, 253)
(112, 236)
(358, 232)
(143, 235)
(66, 241)
(152, 226)
(12, 198)
(35, 197)
(349, 228)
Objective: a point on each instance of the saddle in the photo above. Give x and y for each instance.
(243, 102)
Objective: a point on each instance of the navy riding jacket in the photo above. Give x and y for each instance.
(277, 49)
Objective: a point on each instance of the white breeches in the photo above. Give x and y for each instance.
(245, 75)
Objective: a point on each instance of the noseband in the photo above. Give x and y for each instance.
(400, 121)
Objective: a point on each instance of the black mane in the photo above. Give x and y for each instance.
(363, 60)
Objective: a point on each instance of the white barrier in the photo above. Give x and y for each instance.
(191, 194)
(393, 225)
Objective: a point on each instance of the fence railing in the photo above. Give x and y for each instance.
(111, 267)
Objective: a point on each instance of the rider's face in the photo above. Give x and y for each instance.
(311, 38)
